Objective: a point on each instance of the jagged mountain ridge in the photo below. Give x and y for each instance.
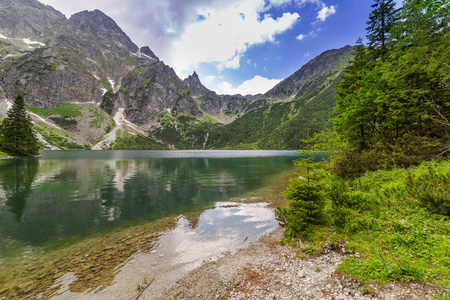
(28, 19)
(92, 46)
(87, 60)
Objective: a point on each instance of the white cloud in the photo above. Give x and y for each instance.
(306, 55)
(325, 12)
(233, 63)
(301, 37)
(276, 3)
(252, 86)
(223, 35)
(209, 78)
(313, 34)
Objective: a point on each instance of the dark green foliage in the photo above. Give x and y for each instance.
(281, 125)
(305, 199)
(381, 20)
(107, 102)
(395, 111)
(169, 134)
(65, 122)
(341, 203)
(305, 207)
(432, 190)
(384, 154)
(16, 132)
(17, 177)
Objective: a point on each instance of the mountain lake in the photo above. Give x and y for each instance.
(96, 224)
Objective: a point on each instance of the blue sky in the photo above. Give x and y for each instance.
(235, 46)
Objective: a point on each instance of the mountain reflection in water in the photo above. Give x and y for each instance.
(88, 221)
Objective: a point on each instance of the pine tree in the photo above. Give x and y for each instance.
(16, 131)
(356, 115)
(380, 22)
(395, 111)
(305, 199)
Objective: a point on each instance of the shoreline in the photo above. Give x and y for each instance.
(267, 270)
(15, 157)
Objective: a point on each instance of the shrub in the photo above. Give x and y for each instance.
(304, 208)
(432, 190)
(405, 151)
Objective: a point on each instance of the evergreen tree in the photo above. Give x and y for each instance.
(305, 199)
(380, 23)
(354, 115)
(16, 132)
(396, 110)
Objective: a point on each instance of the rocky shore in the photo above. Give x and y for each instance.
(267, 270)
(15, 157)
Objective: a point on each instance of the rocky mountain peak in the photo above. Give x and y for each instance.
(98, 24)
(146, 50)
(194, 85)
(30, 3)
(27, 19)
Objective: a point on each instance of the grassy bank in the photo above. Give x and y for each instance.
(4, 155)
(395, 224)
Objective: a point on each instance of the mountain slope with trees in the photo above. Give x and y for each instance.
(276, 120)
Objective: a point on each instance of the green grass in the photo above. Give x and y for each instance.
(441, 297)
(4, 154)
(65, 110)
(97, 118)
(137, 71)
(387, 220)
(138, 142)
(57, 138)
(208, 118)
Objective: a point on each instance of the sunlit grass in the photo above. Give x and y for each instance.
(393, 232)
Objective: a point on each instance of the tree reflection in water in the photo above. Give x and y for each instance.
(16, 178)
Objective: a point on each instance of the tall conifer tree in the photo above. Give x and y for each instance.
(16, 132)
(380, 22)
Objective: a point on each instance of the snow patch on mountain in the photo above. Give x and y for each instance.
(30, 42)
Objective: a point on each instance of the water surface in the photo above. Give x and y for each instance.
(70, 196)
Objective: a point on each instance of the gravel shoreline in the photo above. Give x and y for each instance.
(267, 270)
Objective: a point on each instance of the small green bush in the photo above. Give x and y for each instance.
(432, 190)
(304, 208)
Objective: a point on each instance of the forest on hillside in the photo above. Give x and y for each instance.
(393, 103)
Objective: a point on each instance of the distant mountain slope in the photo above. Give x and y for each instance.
(279, 119)
(307, 103)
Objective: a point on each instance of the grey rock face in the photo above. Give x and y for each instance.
(103, 28)
(194, 85)
(28, 19)
(88, 59)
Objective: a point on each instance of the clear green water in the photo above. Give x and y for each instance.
(70, 195)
